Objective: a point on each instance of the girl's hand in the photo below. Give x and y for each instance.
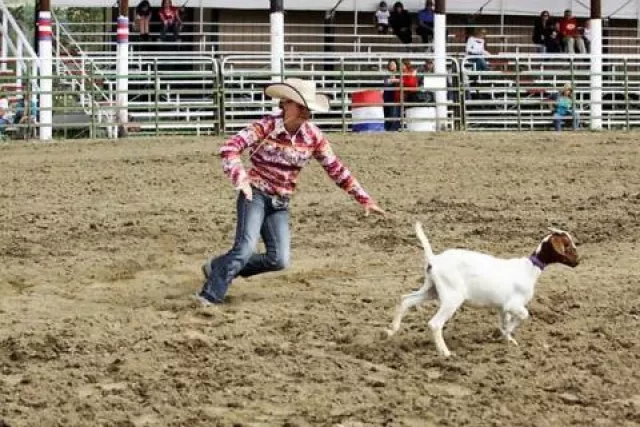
(245, 188)
(373, 207)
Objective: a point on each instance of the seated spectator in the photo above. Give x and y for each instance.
(381, 18)
(476, 49)
(571, 38)
(564, 109)
(171, 21)
(543, 30)
(391, 112)
(143, 16)
(425, 22)
(400, 22)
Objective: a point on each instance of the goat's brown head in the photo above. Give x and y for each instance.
(557, 247)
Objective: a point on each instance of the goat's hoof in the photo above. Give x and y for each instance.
(512, 340)
(388, 333)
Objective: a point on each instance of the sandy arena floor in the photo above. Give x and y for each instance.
(102, 244)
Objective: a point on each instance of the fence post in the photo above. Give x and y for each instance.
(573, 87)
(462, 94)
(92, 129)
(156, 84)
(626, 94)
(518, 99)
(342, 96)
(92, 100)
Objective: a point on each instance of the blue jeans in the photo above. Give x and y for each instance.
(558, 119)
(265, 216)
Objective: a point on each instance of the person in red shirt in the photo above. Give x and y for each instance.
(409, 81)
(570, 33)
(171, 20)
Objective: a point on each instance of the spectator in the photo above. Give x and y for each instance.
(564, 108)
(400, 22)
(171, 21)
(425, 22)
(409, 81)
(381, 18)
(4, 121)
(427, 94)
(586, 36)
(543, 30)
(571, 38)
(476, 49)
(391, 112)
(143, 16)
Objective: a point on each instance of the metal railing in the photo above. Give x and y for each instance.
(200, 95)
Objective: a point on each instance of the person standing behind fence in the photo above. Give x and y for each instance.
(564, 109)
(171, 20)
(425, 22)
(476, 49)
(391, 109)
(143, 16)
(381, 18)
(279, 146)
(400, 22)
(571, 38)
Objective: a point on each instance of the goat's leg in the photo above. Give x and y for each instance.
(517, 316)
(408, 301)
(445, 311)
(506, 321)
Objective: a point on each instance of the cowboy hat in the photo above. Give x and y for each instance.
(301, 92)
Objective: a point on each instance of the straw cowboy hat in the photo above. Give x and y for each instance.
(301, 92)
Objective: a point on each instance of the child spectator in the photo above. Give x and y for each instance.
(425, 22)
(171, 21)
(400, 22)
(476, 48)
(143, 16)
(571, 37)
(381, 18)
(564, 109)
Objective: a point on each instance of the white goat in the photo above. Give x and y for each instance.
(456, 275)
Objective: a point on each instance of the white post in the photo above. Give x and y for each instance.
(45, 52)
(277, 44)
(596, 74)
(5, 43)
(122, 71)
(440, 63)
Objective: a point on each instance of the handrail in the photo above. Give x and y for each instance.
(83, 59)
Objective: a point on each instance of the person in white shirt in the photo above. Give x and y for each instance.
(475, 48)
(382, 18)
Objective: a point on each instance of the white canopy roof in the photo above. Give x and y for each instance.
(610, 8)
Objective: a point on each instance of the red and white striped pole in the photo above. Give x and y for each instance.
(45, 53)
(122, 68)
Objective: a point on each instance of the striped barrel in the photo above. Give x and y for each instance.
(367, 111)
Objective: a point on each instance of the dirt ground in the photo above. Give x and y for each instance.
(102, 244)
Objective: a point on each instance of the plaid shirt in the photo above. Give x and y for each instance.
(278, 158)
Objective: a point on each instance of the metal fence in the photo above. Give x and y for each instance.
(198, 95)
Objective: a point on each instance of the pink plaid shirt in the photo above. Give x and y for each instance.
(278, 157)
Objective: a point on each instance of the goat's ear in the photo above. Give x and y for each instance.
(557, 244)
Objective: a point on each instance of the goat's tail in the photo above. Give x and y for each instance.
(428, 252)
